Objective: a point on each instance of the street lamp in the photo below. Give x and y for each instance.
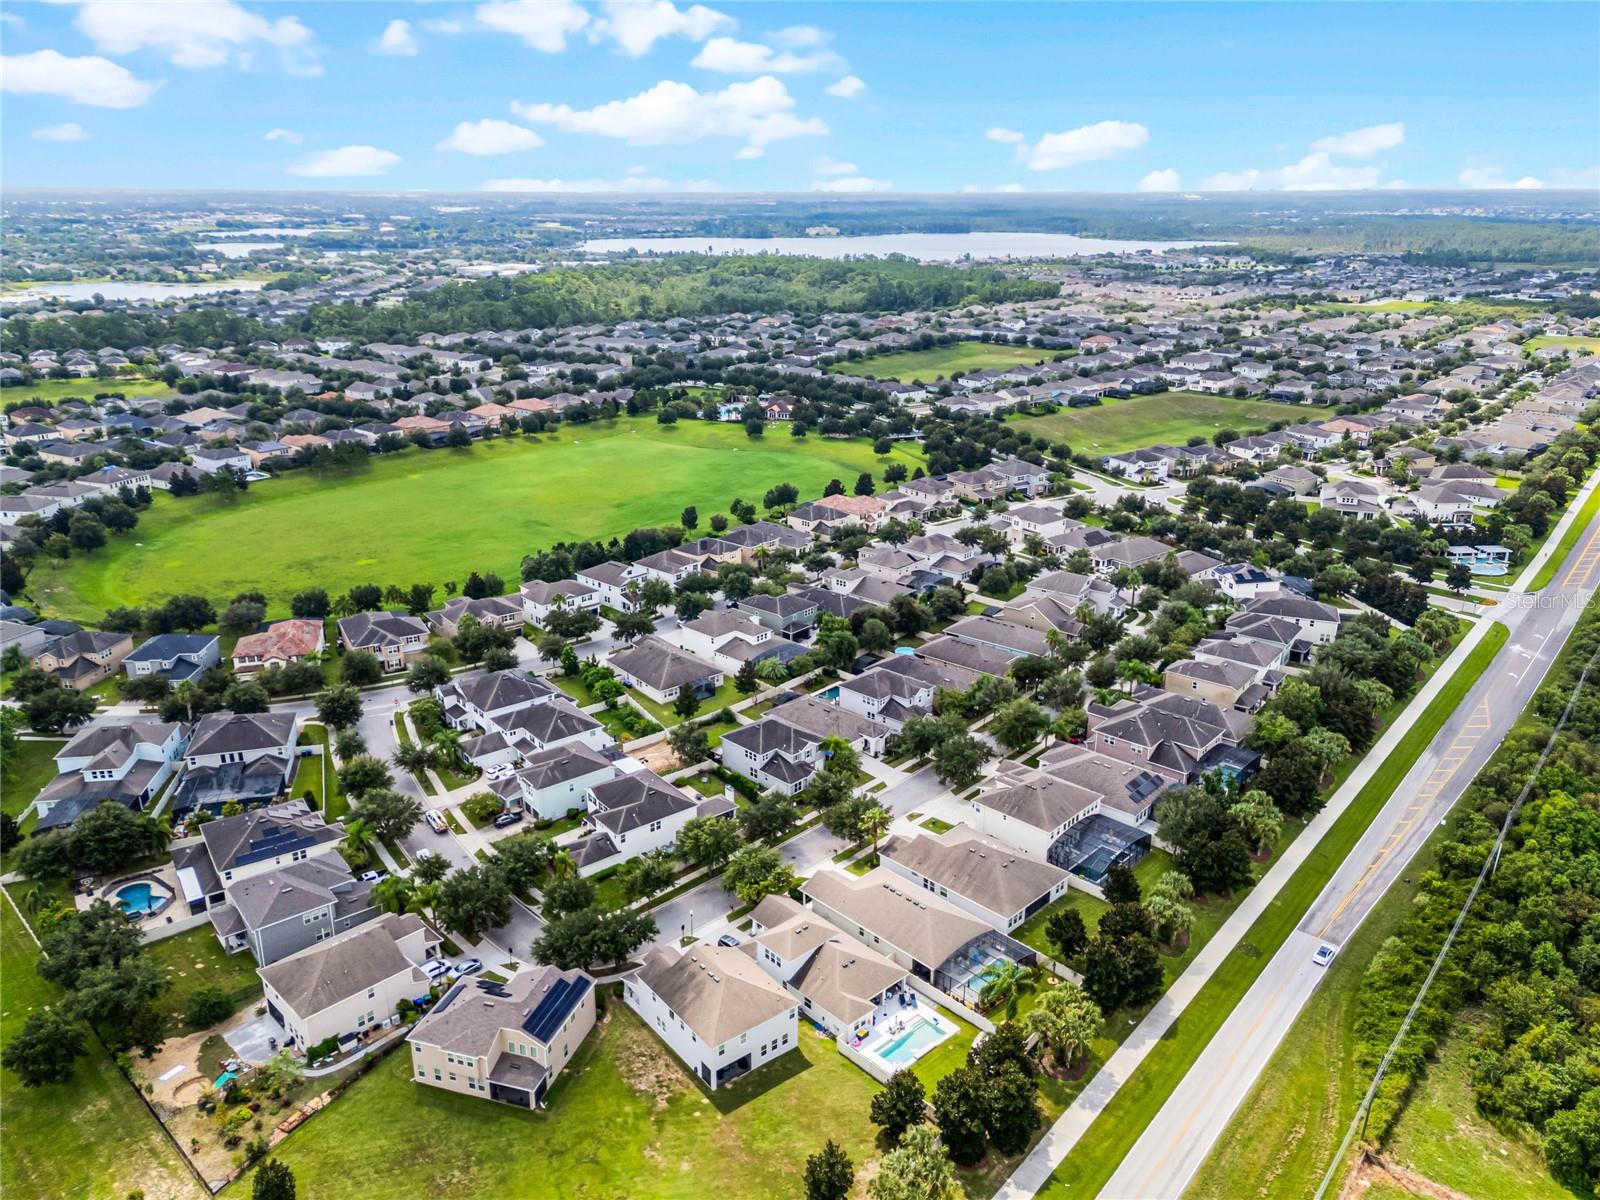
(691, 922)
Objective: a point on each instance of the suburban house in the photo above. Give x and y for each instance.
(631, 814)
(82, 659)
(729, 638)
(504, 1041)
(900, 687)
(127, 762)
(840, 983)
(1318, 622)
(1177, 737)
(613, 582)
(516, 715)
(553, 783)
(176, 657)
(347, 986)
(247, 757)
(929, 936)
(503, 612)
(789, 615)
(715, 1008)
(1032, 810)
(272, 881)
(278, 645)
(978, 875)
(661, 671)
(540, 599)
(396, 638)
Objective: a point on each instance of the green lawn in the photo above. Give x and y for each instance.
(53, 391)
(438, 515)
(87, 1137)
(624, 1120)
(1171, 417)
(909, 366)
(1120, 1122)
(27, 769)
(194, 959)
(724, 697)
(1590, 345)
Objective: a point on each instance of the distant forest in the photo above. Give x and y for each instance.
(648, 289)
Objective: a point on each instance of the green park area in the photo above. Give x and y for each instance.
(430, 516)
(909, 366)
(1170, 417)
(53, 391)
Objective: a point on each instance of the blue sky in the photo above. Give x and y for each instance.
(552, 95)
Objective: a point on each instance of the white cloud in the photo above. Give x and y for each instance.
(543, 24)
(636, 26)
(490, 136)
(1000, 133)
(829, 166)
(847, 88)
(975, 189)
(397, 39)
(1165, 180)
(1087, 143)
(733, 57)
(852, 183)
(1495, 178)
(88, 80)
(346, 161)
(757, 111)
(197, 33)
(748, 152)
(1363, 143)
(12, 21)
(434, 25)
(285, 135)
(67, 131)
(1316, 172)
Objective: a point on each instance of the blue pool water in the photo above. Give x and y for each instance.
(1491, 569)
(905, 650)
(909, 1046)
(136, 898)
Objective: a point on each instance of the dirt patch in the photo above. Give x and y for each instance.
(646, 1066)
(659, 757)
(183, 1089)
(1374, 1167)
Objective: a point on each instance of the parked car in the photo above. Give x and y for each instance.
(503, 771)
(508, 818)
(371, 876)
(1323, 955)
(433, 968)
(727, 939)
(435, 820)
(469, 966)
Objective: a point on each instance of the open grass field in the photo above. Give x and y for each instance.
(1171, 417)
(662, 1135)
(437, 515)
(52, 391)
(1441, 1135)
(909, 366)
(1119, 1124)
(195, 959)
(88, 1137)
(1589, 345)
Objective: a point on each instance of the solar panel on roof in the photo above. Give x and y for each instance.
(444, 1000)
(546, 1018)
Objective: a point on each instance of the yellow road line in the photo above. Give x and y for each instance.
(1586, 561)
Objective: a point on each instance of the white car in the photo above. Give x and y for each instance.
(433, 968)
(1323, 955)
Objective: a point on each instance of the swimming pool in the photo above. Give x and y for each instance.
(1491, 569)
(138, 898)
(907, 1047)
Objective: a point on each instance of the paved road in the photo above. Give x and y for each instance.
(1178, 1140)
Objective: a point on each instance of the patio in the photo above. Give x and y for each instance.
(901, 1030)
(965, 972)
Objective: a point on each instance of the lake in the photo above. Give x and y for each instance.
(927, 247)
(235, 249)
(130, 291)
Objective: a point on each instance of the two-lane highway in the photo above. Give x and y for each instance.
(1178, 1139)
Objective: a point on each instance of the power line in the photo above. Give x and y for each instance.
(1491, 863)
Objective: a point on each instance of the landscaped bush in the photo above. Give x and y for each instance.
(207, 1006)
(322, 1049)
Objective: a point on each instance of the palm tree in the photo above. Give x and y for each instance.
(772, 670)
(1066, 1021)
(1004, 986)
(184, 694)
(562, 866)
(874, 823)
(415, 757)
(394, 894)
(359, 838)
(448, 743)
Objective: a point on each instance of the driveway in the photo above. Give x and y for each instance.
(254, 1042)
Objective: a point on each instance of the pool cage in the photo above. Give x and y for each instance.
(963, 975)
(1093, 846)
